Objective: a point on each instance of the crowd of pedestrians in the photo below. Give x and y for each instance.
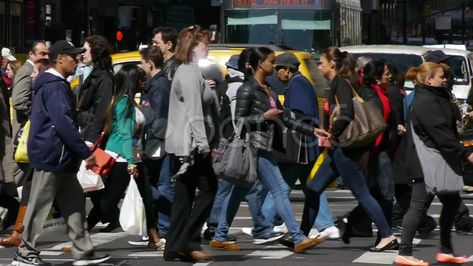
(167, 138)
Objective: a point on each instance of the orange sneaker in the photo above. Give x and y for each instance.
(450, 258)
(401, 260)
(224, 245)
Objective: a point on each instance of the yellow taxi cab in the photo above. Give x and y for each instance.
(221, 53)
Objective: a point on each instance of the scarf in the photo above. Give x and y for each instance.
(383, 97)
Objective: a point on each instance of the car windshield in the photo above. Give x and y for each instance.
(459, 69)
(401, 61)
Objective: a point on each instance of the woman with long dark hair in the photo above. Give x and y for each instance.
(349, 163)
(258, 108)
(124, 122)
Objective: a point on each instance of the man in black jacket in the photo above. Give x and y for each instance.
(166, 39)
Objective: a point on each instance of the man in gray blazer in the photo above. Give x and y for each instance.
(22, 88)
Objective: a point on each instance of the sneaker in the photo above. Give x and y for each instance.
(280, 228)
(141, 241)
(91, 260)
(159, 245)
(207, 235)
(247, 231)
(19, 260)
(450, 258)
(287, 241)
(273, 236)
(331, 232)
(224, 245)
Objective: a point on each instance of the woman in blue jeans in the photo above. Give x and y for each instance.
(338, 67)
(261, 113)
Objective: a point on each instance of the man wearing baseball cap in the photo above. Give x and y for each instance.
(55, 149)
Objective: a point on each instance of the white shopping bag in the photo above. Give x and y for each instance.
(89, 180)
(132, 213)
(54, 224)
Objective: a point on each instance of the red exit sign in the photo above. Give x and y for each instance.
(313, 4)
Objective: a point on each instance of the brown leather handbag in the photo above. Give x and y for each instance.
(104, 161)
(367, 124)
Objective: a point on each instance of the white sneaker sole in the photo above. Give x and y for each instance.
(259, 241)
(90, 262)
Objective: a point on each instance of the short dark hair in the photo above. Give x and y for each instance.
(168, 34)
(154, 55)
(33, 46)
(373, 70)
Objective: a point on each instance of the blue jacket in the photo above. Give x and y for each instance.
(54, 143)
(300, 97)
(154, 106)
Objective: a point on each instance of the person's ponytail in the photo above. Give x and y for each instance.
(411, 74)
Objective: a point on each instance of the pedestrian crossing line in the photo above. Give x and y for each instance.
(97, 239)
(147, 254)
(386, 257)
(273, 252)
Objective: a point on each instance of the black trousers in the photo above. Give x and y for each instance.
(106, 201)
(420, 203)
(190, 210)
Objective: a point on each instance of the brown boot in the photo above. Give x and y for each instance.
(14, 240)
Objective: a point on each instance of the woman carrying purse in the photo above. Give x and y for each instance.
(338, 67)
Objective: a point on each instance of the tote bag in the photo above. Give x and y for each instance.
(367, 124)
(439, 177)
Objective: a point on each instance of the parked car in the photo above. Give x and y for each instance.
(402, 56)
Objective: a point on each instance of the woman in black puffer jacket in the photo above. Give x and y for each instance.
(257, 106)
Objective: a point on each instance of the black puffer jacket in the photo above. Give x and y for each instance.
(251, 104)
(95, 95)
(433, 118)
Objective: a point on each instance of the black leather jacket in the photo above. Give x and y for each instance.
(251, 103)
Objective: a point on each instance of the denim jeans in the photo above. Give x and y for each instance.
(291, 172)
(230, 207)
(270, 177)
(163, 195)
(224, 189)
(345, 163)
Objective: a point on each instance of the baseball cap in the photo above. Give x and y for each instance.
(287, 60)
(436, 56)
(64, 47)
(7, 53)
(233, 62)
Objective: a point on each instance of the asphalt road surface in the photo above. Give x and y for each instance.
(331, 252)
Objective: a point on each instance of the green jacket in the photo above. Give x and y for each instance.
(122, 130)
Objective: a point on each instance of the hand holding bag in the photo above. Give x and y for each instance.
(235, 161)
(104, 161)
(132, 212)
(89, 180)
(367, 124)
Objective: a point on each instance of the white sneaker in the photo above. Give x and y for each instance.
(314, 233)
(280, 228)
(331, 232)
(247, 231)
